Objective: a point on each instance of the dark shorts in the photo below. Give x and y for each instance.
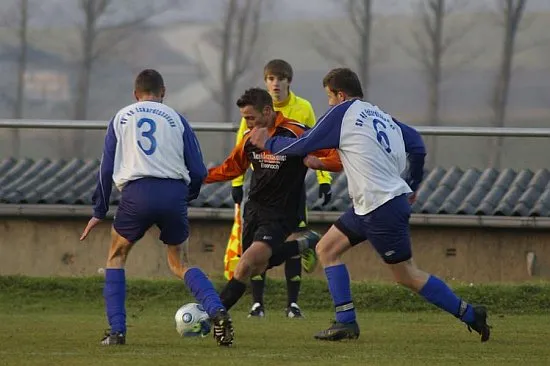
(153, 201)
(386, 228)
(262, 224)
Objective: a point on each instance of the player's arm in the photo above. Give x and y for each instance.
(323, 177)
(102, 193)
(329, 159)
(324, 135)
(193, 160)
(416, 154)
(235, 165)
(239, 181)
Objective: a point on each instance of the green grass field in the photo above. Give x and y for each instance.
(60, 327)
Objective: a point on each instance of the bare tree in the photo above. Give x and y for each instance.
(17, 18)
(100, 33)
(333, 46)
(235, 41)
(105, 24)
(22, 33)
(431, 45)
(512, 12)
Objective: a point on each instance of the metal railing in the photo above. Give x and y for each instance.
(319, 217)
(229, 127)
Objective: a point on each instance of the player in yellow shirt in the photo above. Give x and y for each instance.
(278, 77)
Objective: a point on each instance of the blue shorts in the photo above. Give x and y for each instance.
(386, 228)
(153, 201)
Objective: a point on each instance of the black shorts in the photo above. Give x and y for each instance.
(261, 224)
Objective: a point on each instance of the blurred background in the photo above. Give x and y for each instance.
(426, 62)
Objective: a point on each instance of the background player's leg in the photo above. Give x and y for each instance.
(114, 291)
(293, 265)
(293, 275)
(257, 284)
(254, 261)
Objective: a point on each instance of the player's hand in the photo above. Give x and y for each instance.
(412, 198)
(91, 224)
(313, 162)
(258, 136)
(325, 191)
(237, 194)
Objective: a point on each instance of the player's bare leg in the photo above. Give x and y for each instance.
(329, 251)
(114, 291)
(438, 293)
(204, 292)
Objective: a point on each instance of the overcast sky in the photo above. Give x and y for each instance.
(65, 12)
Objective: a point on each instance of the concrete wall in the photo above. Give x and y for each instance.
(51, 247)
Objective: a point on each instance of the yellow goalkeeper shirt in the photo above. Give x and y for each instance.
(297, 109)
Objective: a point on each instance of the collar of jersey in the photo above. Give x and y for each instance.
(287, 101)
(279, 120)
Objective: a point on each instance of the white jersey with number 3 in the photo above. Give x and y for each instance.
(150, 143)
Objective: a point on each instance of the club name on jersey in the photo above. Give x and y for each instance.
(154, 111)
(267, 160)
(369, 113)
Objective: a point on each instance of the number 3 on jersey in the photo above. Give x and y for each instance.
(148, 133)
(381, 136)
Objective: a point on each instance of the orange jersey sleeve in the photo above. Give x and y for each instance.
(329, 157)
(233, 166)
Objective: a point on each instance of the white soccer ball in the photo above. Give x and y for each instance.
(192, 321)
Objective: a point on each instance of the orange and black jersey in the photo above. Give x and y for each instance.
(277, 180)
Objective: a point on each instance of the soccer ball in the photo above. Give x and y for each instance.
(192, 321)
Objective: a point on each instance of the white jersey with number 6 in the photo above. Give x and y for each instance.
(371, 145)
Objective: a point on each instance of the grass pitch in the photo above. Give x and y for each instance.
(64, 328)
(71, 337)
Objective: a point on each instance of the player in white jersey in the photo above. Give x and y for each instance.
(373, 148)
(153, 156)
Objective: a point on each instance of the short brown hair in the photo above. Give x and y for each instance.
(149, 81)
(279, 68)
(343, 80)
(257, 98)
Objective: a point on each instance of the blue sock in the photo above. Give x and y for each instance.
(339, 286)
(114, 293)
(439, 294)
(203, 290)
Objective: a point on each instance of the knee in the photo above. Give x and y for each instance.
(249, 266)
(243, 271)
(118, 255)
(177, 268)
(411, 277)
(405, 280)
(326, 253)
